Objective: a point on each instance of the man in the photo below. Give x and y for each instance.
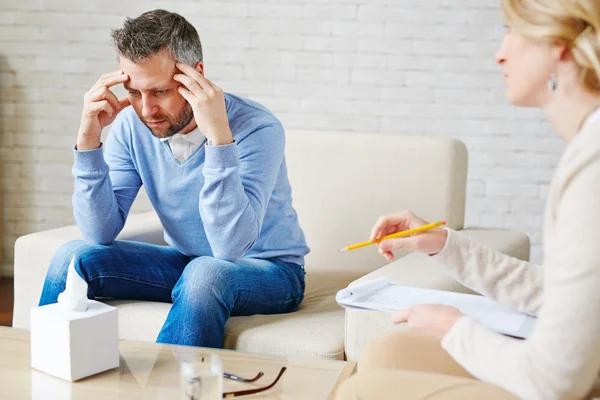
(213, 167)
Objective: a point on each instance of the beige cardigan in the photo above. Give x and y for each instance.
(561, 358)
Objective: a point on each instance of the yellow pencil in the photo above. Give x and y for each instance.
(395, 235)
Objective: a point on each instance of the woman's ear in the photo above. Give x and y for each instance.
(560, 52)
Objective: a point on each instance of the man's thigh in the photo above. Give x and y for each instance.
(131, 270)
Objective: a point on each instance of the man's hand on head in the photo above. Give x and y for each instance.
(208, 103)
(100, 108)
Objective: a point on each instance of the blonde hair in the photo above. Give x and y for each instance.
(573, 23)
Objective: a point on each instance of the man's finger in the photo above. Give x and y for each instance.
(400, 316)
(100, 106)
(210, 83)
(112, 79)
(190, 84)
(195, 75)
(103, 93)
(108, 75)
(124, 102)
(186, 94)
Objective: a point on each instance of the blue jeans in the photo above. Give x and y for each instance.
(205, 291)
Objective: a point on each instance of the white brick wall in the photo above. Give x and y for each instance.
(402, 66)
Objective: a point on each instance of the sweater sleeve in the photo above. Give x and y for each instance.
(560, 358)
(105, 187)
(238, 182)
(504, 279)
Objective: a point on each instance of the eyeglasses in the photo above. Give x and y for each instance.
(242, 379)
(238, 393)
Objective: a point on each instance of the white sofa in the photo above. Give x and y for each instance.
(341, 183)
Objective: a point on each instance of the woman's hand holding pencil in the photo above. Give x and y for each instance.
(405, 231)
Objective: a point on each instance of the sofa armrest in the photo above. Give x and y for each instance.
(512, 243)
(33, 254)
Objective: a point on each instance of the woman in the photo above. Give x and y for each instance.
(551, 59)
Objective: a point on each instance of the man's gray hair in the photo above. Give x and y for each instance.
(158, 30)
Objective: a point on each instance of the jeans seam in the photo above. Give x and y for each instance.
(302, 285)
(295, 301)
(128, 278)
(292, 299)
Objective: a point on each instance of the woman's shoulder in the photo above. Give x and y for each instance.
(580, 163)
(583, 150)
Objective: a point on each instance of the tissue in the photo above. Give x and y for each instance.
(74, 338)
(74, 298)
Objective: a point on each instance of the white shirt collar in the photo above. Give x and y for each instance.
(194, 136)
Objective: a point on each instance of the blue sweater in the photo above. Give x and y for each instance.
(227, 201)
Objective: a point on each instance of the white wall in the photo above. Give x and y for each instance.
(402, 66)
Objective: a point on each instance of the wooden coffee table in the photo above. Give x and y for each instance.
(150, 371)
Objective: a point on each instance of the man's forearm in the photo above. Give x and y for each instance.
(231, 223)
(95, 206)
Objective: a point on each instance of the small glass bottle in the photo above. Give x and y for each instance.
(202, 377)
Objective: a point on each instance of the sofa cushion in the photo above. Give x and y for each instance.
(315, 330)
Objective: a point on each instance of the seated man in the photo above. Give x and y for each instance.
(213, 167)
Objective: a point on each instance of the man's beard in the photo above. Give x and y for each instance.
(176, 125)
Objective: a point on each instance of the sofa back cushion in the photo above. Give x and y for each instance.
(342, 182)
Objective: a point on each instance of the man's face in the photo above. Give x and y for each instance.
(154, 96)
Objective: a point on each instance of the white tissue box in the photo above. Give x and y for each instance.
(74, 344)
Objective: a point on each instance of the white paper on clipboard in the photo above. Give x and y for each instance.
(381, 295)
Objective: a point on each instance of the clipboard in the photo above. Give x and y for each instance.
(381, 295)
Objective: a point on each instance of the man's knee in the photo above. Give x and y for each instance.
(206, 276)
